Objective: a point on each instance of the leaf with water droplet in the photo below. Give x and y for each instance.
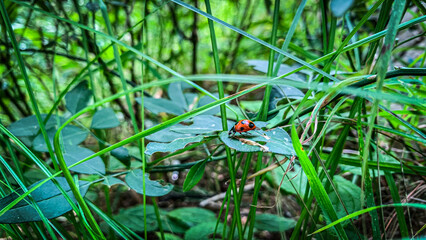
(275, 140)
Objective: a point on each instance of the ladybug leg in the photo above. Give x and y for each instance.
(231, 132)
(248, 133)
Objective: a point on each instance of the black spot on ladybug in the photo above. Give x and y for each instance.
(251, 125)
(241, 128)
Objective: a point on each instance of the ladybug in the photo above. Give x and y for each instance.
(244, 125)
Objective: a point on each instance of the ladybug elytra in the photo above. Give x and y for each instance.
(242, 126)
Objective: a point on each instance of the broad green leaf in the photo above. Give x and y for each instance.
(25, 127)
(110, 181)
(122, 154)
(78, 98)
(166, 135)
(340, 7)
(152, 188)
(252, 106)
(261, 124)
(74, 154)
(114, 164)
(34, 175)
(191, 99)
(262, 66)
(192, 216)
(275, 140)
(295, 174)
(176, 93)
(173, 146)
(350, 195)
(194, 176)
(159, 105)
(28, 126)
(201, 124)
(133, 218)
(206, 100)
(105, 118)
(28, 141)
(71, 135)
(48, 198)
(171, 225)
(273, 223)
(168, 236)
(280, 92)
(204, 231)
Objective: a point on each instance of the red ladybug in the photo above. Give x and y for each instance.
(242, 126)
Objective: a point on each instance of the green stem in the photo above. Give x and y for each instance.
(221, 91)
(265, 103)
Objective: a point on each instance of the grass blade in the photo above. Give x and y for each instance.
(316, 185)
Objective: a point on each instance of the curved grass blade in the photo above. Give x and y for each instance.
(415, 205)
(316, 185)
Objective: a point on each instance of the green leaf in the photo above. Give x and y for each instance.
(111, 181)
(204, 231)
(34, 175)
(74, 154)
(192, 216)
(340, 7)
(201, 124)
(176, 93)
(25, 127)
(194, 176)
(152, 188)
(173, 146)
(133, 218)
(78, 98)
(275, 140)
(350, 195)
(168, 236)
(206, 100)
(71, 135)
(280, 91)
(166, 135)
(251, 106)
(316, 185)
(48, 198)
(29, 126)
(191, 99)
(105, 118)
(122, 154)
(159, 105)
(262, 66)
(172, 225)
(273, 223)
